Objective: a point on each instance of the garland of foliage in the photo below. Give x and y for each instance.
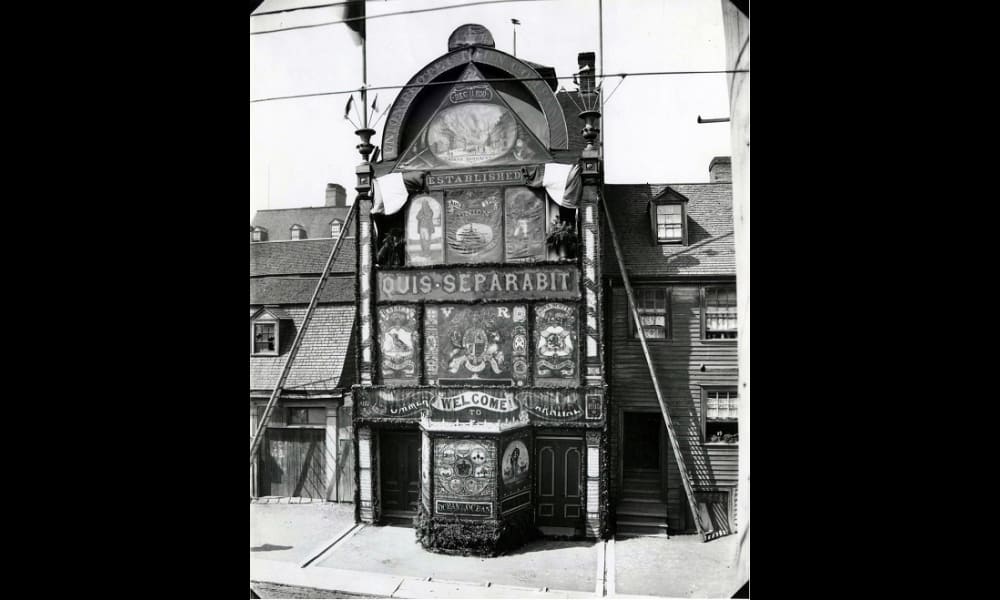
(465, 537)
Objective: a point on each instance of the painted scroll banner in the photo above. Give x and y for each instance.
(399, 344)
(524, 212)
(475, 343)
(555, 336)
(425, 230)
(473, 226)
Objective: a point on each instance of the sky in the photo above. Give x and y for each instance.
(650, 128)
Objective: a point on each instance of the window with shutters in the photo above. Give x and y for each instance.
(720, 416)
(718, 313)
(653, 305)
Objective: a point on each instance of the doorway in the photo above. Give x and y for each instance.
(399, 465)
(560, 485)
(641, 507)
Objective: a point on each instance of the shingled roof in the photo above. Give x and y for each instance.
(314, 219)
(325, 359)
(710, 250)
(306, 257)
(299, 290)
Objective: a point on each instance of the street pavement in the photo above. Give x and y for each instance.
(316, 550)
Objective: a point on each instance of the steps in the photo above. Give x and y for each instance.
(641, 512)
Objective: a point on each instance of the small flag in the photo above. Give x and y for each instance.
(354, 17)
(515, 21)
(347, 109)
(375, 104)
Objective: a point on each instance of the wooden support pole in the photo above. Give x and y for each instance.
(276, 393)
(652, 374)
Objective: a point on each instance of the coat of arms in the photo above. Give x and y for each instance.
(478, 342)
(555, 336)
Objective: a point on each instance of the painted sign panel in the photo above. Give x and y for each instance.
(555, 344)
(478, 178)
(552, 282)
(475, 343)
(524, 212)
(484, 404)
(464, 469)
(514, 467)
(399, 342)
(395, 402)
(425, 230)
(475, 509)
(473, 132)
(473, 226)
(431, 344)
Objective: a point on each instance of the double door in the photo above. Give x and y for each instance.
(559, 484)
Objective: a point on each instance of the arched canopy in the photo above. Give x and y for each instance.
(552, 132)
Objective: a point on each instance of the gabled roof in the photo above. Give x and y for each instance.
(314, 219)
(269, 311)
(325, 359)
(710, 250)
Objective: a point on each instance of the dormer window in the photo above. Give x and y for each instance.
(298, 232)
(668, 217)
(335, 229)
(265, 331)
(669, 227)
(259, 234)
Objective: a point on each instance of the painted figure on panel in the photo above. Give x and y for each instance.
(424, 230)
(515, 463)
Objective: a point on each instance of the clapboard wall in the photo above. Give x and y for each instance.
(684, 364)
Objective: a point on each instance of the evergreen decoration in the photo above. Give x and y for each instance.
(390, 251)
(474, 537)
(563, 240)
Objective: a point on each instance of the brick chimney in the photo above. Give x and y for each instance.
(720, 170)
(336, 195)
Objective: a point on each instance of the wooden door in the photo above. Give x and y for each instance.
(400, 472)
(292, 463)
(560, 482)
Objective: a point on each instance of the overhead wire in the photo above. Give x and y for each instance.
(500, 79)
(392, 14)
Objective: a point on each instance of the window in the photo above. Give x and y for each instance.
(298, 232)
(307, 416)
(653, 305)
(259, 234)
(719, 314)
(669, 223)
(265, 338)
(335, 229)
(720, 423)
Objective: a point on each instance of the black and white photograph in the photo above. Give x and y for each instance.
(499, 299)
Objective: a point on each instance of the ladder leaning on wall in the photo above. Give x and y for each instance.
(678, 457)
(278, 387)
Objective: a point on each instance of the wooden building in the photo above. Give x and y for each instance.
(681, 259)
(307, 451)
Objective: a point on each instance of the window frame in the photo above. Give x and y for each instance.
(633, 333)
(259, 234)
(670, 198)
(704, 314)
(297, 228)
(340, 228)
(656, 223)
(705, 391)
(265, 320)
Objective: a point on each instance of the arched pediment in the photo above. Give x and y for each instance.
(553, 132)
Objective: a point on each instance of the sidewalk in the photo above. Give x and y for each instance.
(316, 551)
